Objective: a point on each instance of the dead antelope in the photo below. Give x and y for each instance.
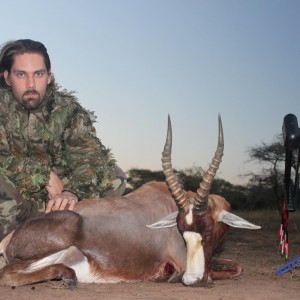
(110, 240)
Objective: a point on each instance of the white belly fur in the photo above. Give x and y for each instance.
(80, 265)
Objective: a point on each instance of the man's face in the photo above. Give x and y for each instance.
(28, 79)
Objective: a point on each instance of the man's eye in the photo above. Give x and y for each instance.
(20, 74)
(39, 74)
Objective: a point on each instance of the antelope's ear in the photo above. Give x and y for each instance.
(165, 222)
(235, 221)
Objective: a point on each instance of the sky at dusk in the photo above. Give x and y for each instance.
(133, 62)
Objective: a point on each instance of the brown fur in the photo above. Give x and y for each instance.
(112, 234)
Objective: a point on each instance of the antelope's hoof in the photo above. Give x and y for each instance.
(176, 277)
(202, 283)
(59, 285)
(71, 283)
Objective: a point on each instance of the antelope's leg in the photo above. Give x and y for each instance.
(43, 236)
(224, 269)
(16, 275)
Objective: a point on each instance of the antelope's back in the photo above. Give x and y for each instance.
(115, 231)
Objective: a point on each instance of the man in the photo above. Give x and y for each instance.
(50, 156)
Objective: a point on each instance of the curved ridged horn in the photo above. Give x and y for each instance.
(172, 181)
(201, 198)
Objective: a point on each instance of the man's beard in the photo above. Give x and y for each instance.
(31, 100)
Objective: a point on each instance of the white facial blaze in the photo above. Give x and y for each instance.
(195, 264)
(189, 216)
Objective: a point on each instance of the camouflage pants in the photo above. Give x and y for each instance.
(14, 210)
(10, 201)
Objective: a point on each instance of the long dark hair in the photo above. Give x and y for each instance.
(13, 48)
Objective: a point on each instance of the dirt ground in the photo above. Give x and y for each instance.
(257, 251)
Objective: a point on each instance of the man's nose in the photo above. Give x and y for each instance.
(30, 82)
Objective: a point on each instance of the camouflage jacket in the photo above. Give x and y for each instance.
(58, 136)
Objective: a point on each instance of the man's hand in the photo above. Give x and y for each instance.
(65, 200)
(59, 200)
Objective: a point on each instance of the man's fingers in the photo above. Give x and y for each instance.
(72, 204)
(49, 205)
(61, 203)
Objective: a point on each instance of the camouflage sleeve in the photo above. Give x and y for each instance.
(89, 161)
(28, 175)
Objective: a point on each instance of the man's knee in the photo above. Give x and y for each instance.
(119, 186)
(8, 190)
(118, 183)
(10, 202)
(8, 214)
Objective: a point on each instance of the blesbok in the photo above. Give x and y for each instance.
(128, 238)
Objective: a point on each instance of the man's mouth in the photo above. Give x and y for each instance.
(31, 93)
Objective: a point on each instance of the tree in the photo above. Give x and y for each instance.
(137, 177)
(190, 179)
(271, 157)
